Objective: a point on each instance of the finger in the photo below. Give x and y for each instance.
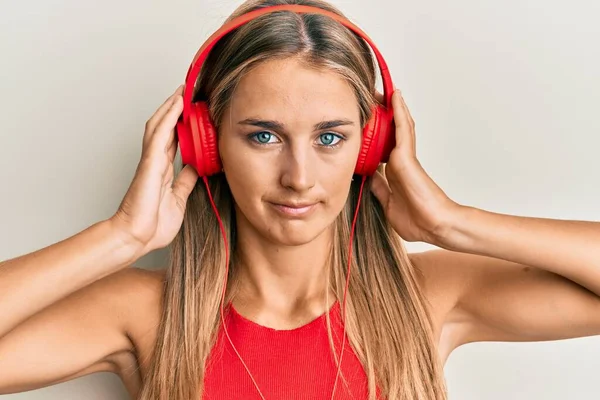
(165, 130)
(380, 188)
(160, 111)
(411, 123)
(173, 139)
(184, 184)
(169, 176)
(159, 114)
(172, 145)
(167, 180)
(404, 136)
(407, 111)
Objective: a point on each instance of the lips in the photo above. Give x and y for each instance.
(296, 209)
(295, 205)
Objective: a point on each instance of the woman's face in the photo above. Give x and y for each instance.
(289, 142)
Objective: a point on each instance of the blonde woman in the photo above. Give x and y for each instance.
(289, 95)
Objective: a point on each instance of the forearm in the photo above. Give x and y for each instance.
(567, 248)
(32, 282)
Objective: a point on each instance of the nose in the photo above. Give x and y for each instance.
(298, 168)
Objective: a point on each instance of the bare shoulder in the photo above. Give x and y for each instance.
(440, 282)
(142, 307)
(441, 278)
(145, 310)
(98, 328)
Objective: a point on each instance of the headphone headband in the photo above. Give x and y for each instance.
(203, 52)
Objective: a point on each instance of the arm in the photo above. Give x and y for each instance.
(30, 283)
(88, 331)
(515, 278)
(498, 277)
(148, 218)
(64, 310)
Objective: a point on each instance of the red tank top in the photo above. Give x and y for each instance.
(290, 364)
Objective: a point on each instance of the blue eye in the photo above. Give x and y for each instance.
(327, 139)
(262, 137)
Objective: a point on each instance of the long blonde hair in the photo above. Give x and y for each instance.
(394, 339)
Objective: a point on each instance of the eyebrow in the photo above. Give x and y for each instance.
(279, 126)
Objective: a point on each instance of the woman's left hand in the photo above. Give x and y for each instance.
(416, 207)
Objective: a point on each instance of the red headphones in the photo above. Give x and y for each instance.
(198, 137)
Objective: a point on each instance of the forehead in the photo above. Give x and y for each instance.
(287, 90)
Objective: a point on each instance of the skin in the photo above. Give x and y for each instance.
(103, 314)
(283, 259)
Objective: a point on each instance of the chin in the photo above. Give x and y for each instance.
(297, 236)
(281, 230)
(294, 233)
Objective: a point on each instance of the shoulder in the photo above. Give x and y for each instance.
(135, 295)
(144, 282)
(442, 277)
(140, 303)
(145, 290)
(135, 287)
(439, 274)
(127, 293)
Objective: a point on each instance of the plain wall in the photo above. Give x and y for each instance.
(504, 95)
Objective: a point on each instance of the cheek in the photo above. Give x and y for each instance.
(342, 172)
(247, 181)
(244, 182)
(338, 188)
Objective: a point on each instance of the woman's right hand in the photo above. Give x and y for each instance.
(152, 210)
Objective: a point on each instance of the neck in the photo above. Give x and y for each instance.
(284, 277)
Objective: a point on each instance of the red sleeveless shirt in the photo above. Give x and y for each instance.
(295, 364)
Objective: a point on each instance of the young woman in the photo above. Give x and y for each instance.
(289, 95)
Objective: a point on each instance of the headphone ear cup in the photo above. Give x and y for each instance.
(377, 142)
(186, 143)
(204, 137)
(388, 134)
